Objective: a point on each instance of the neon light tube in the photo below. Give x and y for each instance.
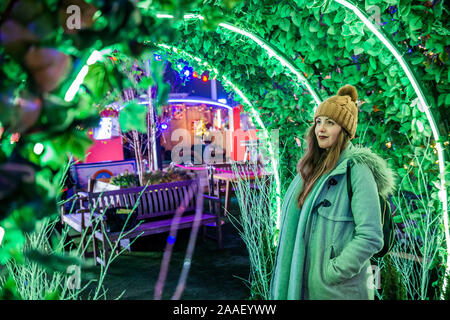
(75, 86)
(424, 108)
(214, 103)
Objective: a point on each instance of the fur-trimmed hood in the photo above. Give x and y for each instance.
(384, 176)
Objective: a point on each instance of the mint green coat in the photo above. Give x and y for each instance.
(324, 251)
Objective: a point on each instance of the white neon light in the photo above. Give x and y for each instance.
(423, 106)
(94, 57)
(193, 16)
(38, 148)
(2, 233)
(75, 86)
(186, 16)
(186, 100)
(164, 16)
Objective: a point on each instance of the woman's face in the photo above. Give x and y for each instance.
(327, 131)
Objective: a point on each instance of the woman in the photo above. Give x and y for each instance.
(326, 242)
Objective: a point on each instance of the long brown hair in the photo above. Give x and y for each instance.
(317, 161)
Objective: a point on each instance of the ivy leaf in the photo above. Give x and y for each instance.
(404, 9)
(372, 47)
(331, 30)
(146, 82)
(285, 11)
(296, 18)
(435, 43)
(285, 24)
(415, 23)
(417, 58)
(358, 28)
(213, 16)
(357, 39)
(74, 141)
(350, 16)
(96, 80)
(373, 63)
(346, 30)
(162, 96)
(314, 26)
(393, 70)
(9, 290)
(385, 58)
(53, 295)
(358, 50)
(195, 41)
(206, 45)
(447, 99)
(340, 16)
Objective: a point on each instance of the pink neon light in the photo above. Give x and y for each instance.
(189, 168)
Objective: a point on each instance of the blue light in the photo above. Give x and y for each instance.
(157, 57)
(164, 126)
(171, 239)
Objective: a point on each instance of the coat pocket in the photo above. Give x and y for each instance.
(334, 214)
(326, 269)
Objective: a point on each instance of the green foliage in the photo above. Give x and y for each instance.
(129, 180)
(133, 117)
(391, 285)
(42, 274)
(170, 175)
(256, 227)
(125, 180)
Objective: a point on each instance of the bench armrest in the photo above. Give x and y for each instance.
(213, 198)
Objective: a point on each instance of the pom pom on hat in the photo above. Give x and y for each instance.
(348, 90)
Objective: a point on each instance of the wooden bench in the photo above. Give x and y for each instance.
(156, 207)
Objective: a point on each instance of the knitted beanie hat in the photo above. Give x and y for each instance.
(342, 109)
